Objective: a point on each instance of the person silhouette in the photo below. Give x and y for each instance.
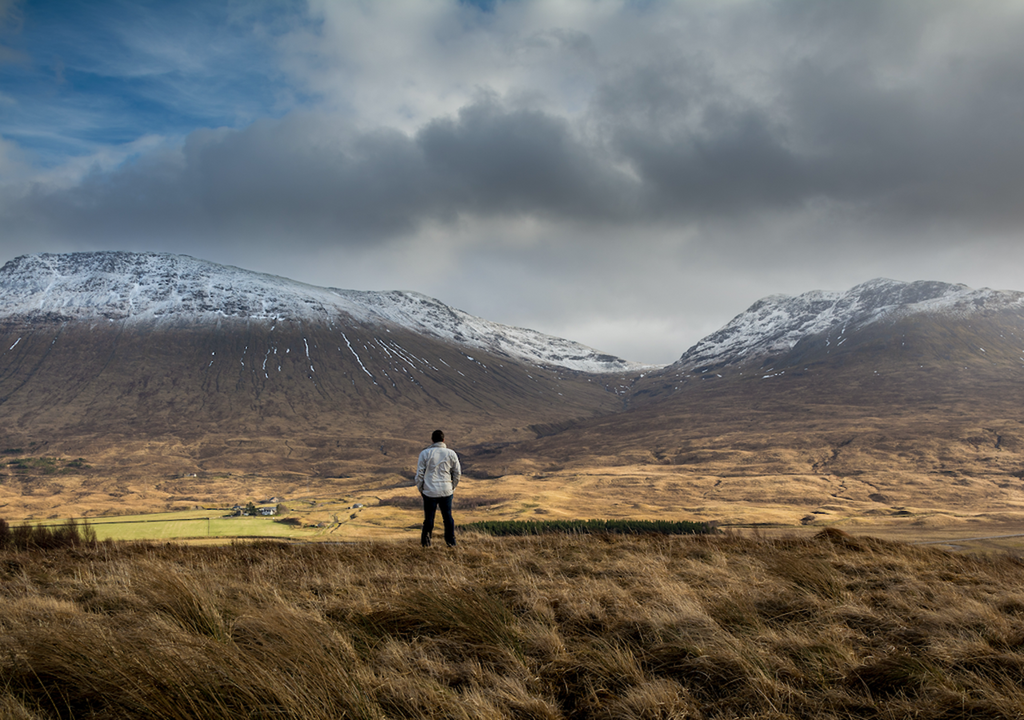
(437, 475)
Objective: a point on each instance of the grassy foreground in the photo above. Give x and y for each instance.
(525, 627)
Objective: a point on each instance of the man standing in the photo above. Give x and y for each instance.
(437, 474)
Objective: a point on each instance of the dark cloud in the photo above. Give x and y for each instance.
(866, 114)
(947, 147)
(304, 178)
(871, 111)
(274, 179)
(492, 160)
(914, 132)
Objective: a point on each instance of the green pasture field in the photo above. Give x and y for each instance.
(193, 524)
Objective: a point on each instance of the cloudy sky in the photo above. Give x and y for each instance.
(629, 174)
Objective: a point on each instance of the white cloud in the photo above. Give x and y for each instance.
(403, 63)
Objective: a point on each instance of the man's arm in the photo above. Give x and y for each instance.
(456, 469)
(421, 469)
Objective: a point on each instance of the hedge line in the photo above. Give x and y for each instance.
(42, 537)
(586, 527)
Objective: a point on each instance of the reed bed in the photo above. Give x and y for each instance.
(544, 627)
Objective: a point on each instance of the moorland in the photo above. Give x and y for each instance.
(552, 627)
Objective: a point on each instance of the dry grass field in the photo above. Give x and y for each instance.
(979, 517)
(829, 626)
(971, 511)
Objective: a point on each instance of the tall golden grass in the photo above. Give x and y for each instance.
(538, 627)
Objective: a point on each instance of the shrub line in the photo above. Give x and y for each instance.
(591, 527)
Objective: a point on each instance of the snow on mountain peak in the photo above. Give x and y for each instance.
(149, 286)
(776, 323)
(153, 287)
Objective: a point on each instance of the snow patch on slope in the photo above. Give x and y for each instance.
(430, 317)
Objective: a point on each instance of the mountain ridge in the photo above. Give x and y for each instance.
(776, 324)
(166, 288)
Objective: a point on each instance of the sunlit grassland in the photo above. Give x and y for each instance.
(219, 524)
(159, 527)
(976, 512)
(370, 507)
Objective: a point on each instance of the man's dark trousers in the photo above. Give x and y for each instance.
(430, 506)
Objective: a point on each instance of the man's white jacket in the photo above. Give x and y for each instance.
(438, 471)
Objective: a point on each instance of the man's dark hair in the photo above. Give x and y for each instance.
(438, 436)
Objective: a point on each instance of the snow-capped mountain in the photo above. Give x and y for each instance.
(101, 345)
(776, 324)
(162, 288)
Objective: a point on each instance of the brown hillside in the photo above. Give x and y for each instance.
(143, 404)
(911, 421)
(270, 379)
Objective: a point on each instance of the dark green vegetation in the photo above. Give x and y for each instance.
(46, 465)
(504, 528)
(549, 627)
(42, 537)
(460, 501)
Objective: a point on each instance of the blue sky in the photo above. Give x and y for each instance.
(91, 74)
(625, 174)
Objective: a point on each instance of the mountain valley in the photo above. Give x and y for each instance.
(162, 382)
